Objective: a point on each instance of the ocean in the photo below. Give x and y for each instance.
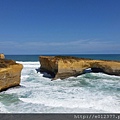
(87, 93)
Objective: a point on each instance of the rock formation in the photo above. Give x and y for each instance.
(10, 73)
(2, 56)
(64, 66)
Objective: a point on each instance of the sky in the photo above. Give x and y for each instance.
(60, 26)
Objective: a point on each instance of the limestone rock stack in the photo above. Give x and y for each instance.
(2, 56)
(65, 66)
(10, 73)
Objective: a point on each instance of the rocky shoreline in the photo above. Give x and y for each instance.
(61, 67)
(10, 73)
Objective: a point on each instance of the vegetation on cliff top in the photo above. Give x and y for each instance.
(5, 63)
(71, 57)
(77, 58)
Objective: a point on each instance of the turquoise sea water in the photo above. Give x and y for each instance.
(87, 93)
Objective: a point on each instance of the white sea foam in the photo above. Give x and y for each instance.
(91, 92)
(3, 109)
(74, 98)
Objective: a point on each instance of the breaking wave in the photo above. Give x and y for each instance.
(90, 92)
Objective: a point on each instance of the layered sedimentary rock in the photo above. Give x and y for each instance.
(65, 66)
(10, 74)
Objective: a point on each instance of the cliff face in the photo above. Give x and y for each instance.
(10, 73)
(64, 67)
(49, 65)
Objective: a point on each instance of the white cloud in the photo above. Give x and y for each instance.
(78, 46)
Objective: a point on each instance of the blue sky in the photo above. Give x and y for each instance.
(60, 26)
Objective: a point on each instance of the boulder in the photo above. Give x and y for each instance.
(65, 66)
(10, 74)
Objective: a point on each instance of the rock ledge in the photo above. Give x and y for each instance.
(65, 66)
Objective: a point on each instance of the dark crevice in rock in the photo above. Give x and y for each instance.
(46, 73)
(96, 70)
